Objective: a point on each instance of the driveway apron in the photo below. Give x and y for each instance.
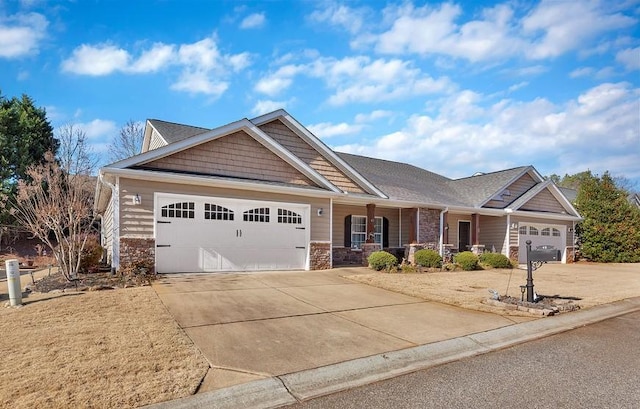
(257, 325)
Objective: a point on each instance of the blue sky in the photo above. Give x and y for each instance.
(453, 87)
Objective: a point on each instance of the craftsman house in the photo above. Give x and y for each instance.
(266, 194)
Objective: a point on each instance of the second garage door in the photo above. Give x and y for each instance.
(206, 234)
(540, 235)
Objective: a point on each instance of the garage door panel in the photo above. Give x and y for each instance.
(220, 234)
(540, 235)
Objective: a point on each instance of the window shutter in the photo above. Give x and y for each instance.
(385, 232)
(347, 231)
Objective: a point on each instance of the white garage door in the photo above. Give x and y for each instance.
(206, 234)
(540, 235)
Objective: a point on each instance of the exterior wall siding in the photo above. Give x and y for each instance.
(544, 202)
(107, 232)
(492, 233)
(517, 189)
(235, 155)
(342, 211)
(156, 141)
(287, 138)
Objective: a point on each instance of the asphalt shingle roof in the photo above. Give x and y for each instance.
(172, 132)
(475, 190)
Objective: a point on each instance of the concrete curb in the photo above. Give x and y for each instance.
(312, 383)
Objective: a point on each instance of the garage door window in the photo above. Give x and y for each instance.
(555, 232)
(216, 212)
(533, 231)
(289, 217)
(523, 229)
(545, 232)
(184, 210)
(260, 215)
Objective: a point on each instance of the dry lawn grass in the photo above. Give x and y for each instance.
(594, 283)
(107, 349)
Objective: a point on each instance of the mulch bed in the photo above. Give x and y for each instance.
(86, 282)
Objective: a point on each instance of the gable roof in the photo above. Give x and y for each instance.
(242, 125)
(172, 132)
(477, 190)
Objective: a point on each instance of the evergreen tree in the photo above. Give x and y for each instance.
(25, 136)
(610, 231)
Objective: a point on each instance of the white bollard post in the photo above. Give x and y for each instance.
(13, 282)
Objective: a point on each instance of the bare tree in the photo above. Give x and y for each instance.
(128, 142)
(57, 208)
(75, 154)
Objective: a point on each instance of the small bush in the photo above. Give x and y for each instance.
(495, 260)
(381, 260)
(428, 258)
(467, 260)
(91, 254)
(140, 272)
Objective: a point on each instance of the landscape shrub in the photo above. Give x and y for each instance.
(382, 260)
(428, 258)
(495, 260)
(467, 260)
(91, 254)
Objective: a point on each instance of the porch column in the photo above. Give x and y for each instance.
(445, 227)
(413, 225)
(475, 229)
(371, 218)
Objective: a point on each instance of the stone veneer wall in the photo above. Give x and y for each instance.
(571, 254)
(514, 253)
(429, 225)
(346, 256)
(319, 255)
(367, 249)
(136, 250)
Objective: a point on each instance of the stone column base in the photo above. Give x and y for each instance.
(319, 255)
(477, 249)
(367, 249)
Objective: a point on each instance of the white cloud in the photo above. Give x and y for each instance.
(255, 20)
(279, 81)
(199, 82)
(98, 128)
(158, 57)
(21, 34)
(557, 27)
(266, 106)
(345, 17)
(581, 72)
(630, 58)
(597, 130)
(373, 116)
(102, 59)
(327, 130)
(203, 68)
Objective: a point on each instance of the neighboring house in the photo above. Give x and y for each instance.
(266, 194)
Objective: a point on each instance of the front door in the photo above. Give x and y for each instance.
(464, 235)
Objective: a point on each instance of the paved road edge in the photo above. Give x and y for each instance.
(312, 383)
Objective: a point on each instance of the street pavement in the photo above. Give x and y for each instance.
(596, 366)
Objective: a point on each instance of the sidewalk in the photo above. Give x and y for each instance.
(291, 388)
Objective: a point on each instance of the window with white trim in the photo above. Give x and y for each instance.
(555, 232)
(359, 231)
(533, 231)
(545, 232)
(523, 230)
(184, 210)
(289, 217)
(260, 215)
(217, 212)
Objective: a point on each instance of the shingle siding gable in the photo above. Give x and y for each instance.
(235, 155)
(309, 155)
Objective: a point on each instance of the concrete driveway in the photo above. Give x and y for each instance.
(258, 325)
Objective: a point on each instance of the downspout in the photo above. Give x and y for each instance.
(331, 232)
(115, 236)
(442, 212)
